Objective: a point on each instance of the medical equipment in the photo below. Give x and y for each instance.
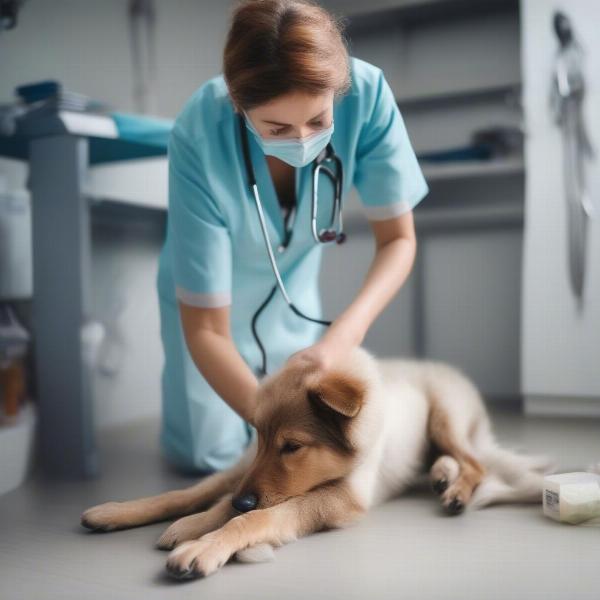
(572, 497)
(322, 164)
(568, 92)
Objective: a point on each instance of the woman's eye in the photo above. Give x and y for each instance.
(283, 130)
(290, 447)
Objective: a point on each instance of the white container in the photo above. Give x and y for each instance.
(16, 271)
(572, 497)
(16, 448)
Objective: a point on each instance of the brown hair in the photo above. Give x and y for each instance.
(278, 46)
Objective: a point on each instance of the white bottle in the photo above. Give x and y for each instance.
(16, 271)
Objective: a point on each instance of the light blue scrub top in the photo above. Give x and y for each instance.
(214, 254)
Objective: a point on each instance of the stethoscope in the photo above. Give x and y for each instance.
(333, 233)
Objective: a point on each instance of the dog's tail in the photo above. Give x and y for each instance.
(510, 477)
(256, 554)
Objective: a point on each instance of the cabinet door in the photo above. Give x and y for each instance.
(560, 335)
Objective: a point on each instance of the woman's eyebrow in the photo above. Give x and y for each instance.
(288, 125)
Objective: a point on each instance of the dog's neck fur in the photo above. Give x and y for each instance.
(368, 426)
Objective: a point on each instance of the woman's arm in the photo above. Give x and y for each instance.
(395, 250)
(208, 337)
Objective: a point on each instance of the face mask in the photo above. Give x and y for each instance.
(297, 152)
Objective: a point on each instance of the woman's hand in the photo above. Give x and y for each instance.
(331, 349)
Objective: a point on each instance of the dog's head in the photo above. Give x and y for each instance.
(305, 420)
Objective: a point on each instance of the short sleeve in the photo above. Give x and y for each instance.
(387, 175)
(199, 238)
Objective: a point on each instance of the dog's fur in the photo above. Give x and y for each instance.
(330, 445)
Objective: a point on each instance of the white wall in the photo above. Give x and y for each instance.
(85, 45)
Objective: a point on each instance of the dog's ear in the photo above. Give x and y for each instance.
(341, 392)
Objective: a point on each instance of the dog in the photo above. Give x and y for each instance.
(330, 445)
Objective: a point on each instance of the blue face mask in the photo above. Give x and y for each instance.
(297, 152)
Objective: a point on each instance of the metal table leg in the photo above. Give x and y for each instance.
(61, 305)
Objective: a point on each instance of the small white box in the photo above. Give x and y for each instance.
(572, 497)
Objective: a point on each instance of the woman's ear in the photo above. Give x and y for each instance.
(341, 392)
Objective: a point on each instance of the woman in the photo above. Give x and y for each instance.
(287, 76)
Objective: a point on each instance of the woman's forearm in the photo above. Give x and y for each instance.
(391, 266)
(219, 361)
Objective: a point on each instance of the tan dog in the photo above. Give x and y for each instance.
(330, 446)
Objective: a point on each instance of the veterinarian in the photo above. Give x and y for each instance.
(291, 91)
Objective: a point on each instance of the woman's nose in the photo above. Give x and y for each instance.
(245, 502)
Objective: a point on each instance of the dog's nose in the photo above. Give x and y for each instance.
(245, 503)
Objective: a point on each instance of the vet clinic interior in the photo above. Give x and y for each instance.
(501, 102)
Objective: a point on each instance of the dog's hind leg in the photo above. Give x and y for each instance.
(510, 475)
(457, 472)
(121, 515)
(495, 490)
(444, 472)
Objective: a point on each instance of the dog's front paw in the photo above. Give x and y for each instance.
(170, 537)
(199, 558)
(104, 517)
(187, 528)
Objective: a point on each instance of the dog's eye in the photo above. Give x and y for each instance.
(290, 447)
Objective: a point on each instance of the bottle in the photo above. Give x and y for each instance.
(16, 271)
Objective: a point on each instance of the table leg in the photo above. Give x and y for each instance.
(61, 304)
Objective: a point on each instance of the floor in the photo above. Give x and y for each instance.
(404, 549)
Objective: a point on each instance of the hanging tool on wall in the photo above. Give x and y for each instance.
(567, 101)
(9, 10)
(142, 33)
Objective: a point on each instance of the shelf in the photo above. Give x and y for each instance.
(391, 12)
(112, 138)
(510, 91)
(472, 169)
(137, 182)
(430, 219)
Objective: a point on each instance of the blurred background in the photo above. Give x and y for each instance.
(507, 281)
